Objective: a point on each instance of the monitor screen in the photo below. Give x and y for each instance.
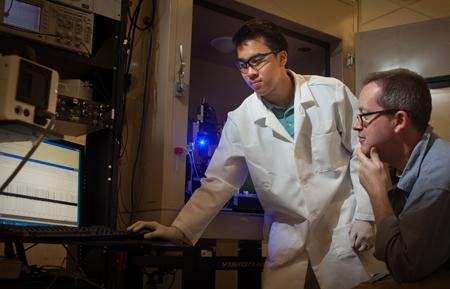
(47, 189)
(22, 14)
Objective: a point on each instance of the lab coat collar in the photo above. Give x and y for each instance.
(302, 91)
(302, 94)
(303, 100)
(263, 117)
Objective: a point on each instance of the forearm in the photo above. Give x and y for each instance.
(381, 205)
(203, 206)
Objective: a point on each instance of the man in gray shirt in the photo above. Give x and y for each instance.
(413, 236)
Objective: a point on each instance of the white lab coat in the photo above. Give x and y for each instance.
(308, 186)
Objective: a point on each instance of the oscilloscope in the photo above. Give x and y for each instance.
(49, 23)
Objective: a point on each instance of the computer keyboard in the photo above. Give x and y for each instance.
(63, 232)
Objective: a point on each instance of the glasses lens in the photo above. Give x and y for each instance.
(257, 61)
(366, 117)
(243, 67)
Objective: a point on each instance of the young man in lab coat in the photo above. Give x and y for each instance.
(294, 135)
(412, 217)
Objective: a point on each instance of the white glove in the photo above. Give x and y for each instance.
(157, 230)
(362, 235)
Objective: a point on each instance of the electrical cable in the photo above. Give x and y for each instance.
(173, 273)
(134, 26)
(32, 150)
(57, 275)
(131, 33)
(119, 215)
(6, 14)
(68, 272)
(141, 129)
(124, 142)
(193, 163)
(17, 254)
(192, 168)
(148, 25)
(130, 37)
(127, 68)
(73, 259)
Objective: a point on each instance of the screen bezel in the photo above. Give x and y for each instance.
(31, 74)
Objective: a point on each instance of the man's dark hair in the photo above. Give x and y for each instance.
(405, 90)
(255, 28)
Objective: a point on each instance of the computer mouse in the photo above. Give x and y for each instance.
(139, 234)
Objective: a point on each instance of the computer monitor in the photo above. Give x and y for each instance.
(48, 189)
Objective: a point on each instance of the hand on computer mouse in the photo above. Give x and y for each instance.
(157, 230)
(139, 233)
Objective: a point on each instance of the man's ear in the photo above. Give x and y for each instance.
(283, 57)
(401, 120)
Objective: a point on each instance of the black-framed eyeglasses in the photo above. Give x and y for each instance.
(257, 61)
(360, 116)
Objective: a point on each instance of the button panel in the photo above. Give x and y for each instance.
(74, 28)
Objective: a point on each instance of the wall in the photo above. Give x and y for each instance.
(376, 14)
(440, 118)
(419, 46)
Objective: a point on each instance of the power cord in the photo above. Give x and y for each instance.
(6, 14)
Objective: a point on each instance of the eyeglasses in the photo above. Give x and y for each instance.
(360, 116)
(257, 61)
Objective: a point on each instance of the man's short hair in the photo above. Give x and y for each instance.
(255, 28)
(405, 90)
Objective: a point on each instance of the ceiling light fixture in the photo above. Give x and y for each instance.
(223, 44)
(304, 49)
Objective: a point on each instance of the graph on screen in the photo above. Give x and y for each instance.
(47, 189)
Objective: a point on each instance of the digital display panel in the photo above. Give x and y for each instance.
(22, 14)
